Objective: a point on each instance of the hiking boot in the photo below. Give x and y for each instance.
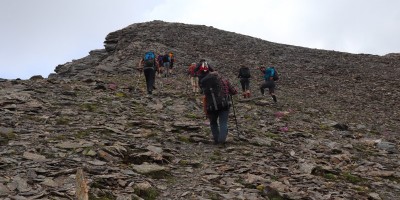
(274, 98)
(248, 94)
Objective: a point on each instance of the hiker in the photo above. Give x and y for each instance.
(244, 75)
(202, 68)
(172, 61)
(166, 64)
(149, 69)
(217, 91)
(193, 78)
(160, 65)
(270, 76)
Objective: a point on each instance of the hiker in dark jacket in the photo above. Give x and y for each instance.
(269, 81)
(217, 104)
(149, 69)
(244, 75)
(202, 69)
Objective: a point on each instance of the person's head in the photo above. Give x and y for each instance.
(202, 60)
(204, 67)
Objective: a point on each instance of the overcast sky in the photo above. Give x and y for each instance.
(37, 35)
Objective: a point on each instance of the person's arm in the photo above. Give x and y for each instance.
(231, 88)
(197, 68)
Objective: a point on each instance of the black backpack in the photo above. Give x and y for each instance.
(166, 58)
(216, 99)
(244, 72)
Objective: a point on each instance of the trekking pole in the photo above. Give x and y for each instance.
(234, 114)
(137, 81)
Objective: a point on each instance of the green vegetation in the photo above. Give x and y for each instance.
(147, 194)
(62, 121)
(89, 107)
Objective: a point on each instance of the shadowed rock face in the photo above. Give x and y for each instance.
(334, 133)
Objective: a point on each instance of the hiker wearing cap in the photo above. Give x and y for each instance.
(270, 76)
(194, 80)
(203, 68)
(244, 76)
(217, 91)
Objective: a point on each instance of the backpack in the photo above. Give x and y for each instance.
(244, 72)
(214, 90)
(271, 72)
(166, 58)
(149, 59)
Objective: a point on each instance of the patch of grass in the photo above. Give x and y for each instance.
(325, 127)
(183, 138)
(89, 107)
(351, 178)
(213, 196)
(271, 135)
(82, 134)
(120, 94)
(191, 116)
(62, 121)
(9, 135)
(148, 194)
(330, 176)
(59, 137)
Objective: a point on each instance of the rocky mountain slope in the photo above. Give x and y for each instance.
(332, 135)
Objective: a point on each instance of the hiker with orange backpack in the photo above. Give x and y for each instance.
(217, 91)
(244, 75)
(172, 61)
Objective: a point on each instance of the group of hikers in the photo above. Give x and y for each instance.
(217, 90)
(152, 65)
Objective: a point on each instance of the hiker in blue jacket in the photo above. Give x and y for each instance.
(270, 76)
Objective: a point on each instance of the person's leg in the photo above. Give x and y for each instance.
(243, 84)
(262, 87)
(271, 87)
(148, 76)
(213, 117)
(223, 125)
(166, 68)
(247, 87)
(196, 84)
(193, 83)
(152, 79)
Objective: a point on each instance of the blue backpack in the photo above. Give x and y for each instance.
(271, 72)
(149, 59)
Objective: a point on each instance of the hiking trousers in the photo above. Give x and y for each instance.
(219, 125)
(268, 84)
(150, 75)
(245, 82)
(195, 83)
